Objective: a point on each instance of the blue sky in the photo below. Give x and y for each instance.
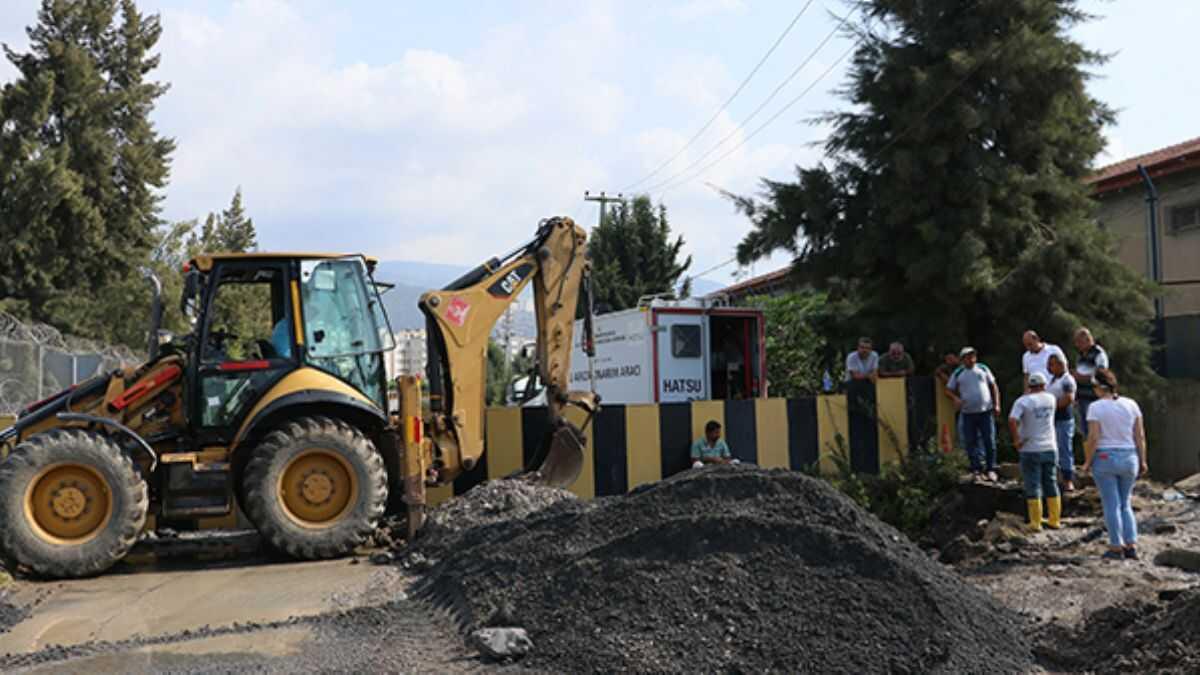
(444, 131)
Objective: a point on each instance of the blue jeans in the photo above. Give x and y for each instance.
(1115, 470)
(1081, 407)
(979, 439)
(1064, 431)
(1038, 470)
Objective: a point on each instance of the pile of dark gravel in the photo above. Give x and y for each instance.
(487, 504)
(1133, 638)
(726, 569)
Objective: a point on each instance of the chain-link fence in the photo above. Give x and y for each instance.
(37, 360)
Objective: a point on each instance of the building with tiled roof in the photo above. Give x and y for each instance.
(1121, 192)
(770, 283)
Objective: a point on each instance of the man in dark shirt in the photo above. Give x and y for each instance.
(1092, 357)
(896, 363)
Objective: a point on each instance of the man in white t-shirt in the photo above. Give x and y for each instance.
(1037, 353)
(1032, 425)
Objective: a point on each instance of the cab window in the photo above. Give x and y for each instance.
(345, 328)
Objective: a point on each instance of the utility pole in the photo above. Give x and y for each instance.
(604, 200)
(507, 338)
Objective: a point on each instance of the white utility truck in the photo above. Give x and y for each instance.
(668, 351)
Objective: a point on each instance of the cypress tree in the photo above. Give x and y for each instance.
(951, 208)
(81, 165)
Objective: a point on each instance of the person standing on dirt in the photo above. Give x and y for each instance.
(1037, 353)
(712, 448)
(1115, 453)
(862, 363)
(1092, 357)
(1032, 425)
(973, 389)
(1063, 387)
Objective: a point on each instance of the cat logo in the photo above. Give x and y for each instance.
(511, 281)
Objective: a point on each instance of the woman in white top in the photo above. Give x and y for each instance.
(1116, 455)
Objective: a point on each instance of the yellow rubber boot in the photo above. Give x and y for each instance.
(1035, 514)
(1054, 512)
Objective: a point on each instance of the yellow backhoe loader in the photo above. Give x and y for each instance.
(289, 420)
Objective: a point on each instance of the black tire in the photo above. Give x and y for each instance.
(27, 541)
(267, 497)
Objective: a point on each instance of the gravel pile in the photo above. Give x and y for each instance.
(727, 569)
(487, 504)
(1133, 638)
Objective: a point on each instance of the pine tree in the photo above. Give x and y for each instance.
(951, 209)
(80, 161)
(229, 231)
(633, 256)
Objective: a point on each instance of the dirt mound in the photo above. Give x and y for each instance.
(719, 570)
(487, 504)
(1134, 638)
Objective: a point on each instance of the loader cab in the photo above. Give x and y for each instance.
(259, 317)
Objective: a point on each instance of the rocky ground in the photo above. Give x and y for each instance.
(1089, 614)
(721, 570)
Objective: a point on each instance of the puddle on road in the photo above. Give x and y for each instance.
(119, 607)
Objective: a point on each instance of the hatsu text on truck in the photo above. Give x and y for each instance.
(674, 351)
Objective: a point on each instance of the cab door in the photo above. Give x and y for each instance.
(247, 343)
(681, 347)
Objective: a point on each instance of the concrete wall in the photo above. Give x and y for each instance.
(1123, 212)
(629, 445)
(1173, 430)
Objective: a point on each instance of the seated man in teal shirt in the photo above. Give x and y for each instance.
(711, 449)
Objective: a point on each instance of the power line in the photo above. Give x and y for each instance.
(724, 105)
(665, 187)
(763, 105)
(712, 269)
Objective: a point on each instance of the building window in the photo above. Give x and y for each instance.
(1185, 217)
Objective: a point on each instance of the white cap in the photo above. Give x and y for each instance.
(1037, 379)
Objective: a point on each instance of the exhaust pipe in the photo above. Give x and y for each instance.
(156, 311)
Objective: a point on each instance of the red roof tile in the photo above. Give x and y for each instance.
(1160, 162)
(755, 282)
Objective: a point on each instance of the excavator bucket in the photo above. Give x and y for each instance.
(561, 458)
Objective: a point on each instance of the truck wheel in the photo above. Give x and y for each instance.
(315, 488)
(71, 503)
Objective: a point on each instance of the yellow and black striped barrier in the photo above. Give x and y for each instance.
(870, 424)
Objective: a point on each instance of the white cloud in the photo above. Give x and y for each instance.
(428, 155)
(699, 9)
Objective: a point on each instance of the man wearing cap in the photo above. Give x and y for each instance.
(1032, 425)
(973, 389)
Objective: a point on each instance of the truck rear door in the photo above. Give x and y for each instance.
(681, 349)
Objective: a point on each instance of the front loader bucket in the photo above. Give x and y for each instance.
(561, 459)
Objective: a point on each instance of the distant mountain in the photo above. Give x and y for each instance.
(414, 278)
(423, 275)
(702, 287)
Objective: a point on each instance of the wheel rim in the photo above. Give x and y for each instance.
(318, 488)
(68, 503)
